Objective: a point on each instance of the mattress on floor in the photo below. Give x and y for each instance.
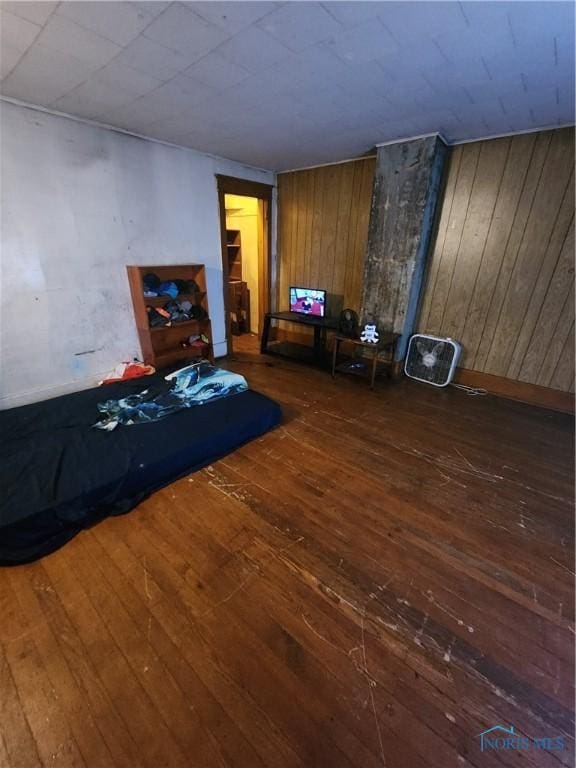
(58, 474)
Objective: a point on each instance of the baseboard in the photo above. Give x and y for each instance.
(220, 349)
(517, 390)
(496, 385)
(532, 394)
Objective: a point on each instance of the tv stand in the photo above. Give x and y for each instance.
(315, 354)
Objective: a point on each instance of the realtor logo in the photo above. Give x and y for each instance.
(504, 737)
(489, 738)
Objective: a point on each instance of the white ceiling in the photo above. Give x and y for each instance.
(284, 85)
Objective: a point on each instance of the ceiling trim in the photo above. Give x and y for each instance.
(549, 127)
(370, 156)
(487, 137)
(115, 129)
(555, 127)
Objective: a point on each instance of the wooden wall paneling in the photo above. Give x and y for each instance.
(516, 168)
(286, 202)
(563, 376)
(536, 165)
(297, 272)
(305, 215)
(539, 224)
(309, 208)
(317, 227)
(322, 229)
(556, 343)
(353, 287)
(285, 229)
(469, 273)
(341, 249)
(508, 234)
(309, 213)
(330, 219)
(292, 237)
(468, 258)
(293, 267)
(539, 227)
(500, 275)
(434, 263)
(294, 270)
(549, 263)
(557, 304)
(451, 246)
(288, 206)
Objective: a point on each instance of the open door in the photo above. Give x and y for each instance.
(261, 195)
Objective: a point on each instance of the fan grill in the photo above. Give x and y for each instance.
(443, 352)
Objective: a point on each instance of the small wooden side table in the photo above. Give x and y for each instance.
(387, 342)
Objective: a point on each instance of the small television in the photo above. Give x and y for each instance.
(308, 301)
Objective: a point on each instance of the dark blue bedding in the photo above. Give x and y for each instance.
(59, 475)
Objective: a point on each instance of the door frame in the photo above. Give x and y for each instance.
(230, 185)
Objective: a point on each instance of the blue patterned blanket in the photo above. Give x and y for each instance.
(194, 385)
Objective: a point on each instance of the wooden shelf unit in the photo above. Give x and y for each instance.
(159, 301)
(234, 247)
(161, 344)
(239, 295)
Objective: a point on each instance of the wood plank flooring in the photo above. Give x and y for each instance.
(374, 583)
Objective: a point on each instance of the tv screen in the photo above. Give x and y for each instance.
(308, 301)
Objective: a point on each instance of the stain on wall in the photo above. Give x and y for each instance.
(79, 203)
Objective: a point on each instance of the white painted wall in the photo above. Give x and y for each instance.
(78, 203)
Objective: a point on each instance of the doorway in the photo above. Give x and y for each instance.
(245, 233)
(243, 249)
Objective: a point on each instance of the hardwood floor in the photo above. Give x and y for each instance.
(374, 583)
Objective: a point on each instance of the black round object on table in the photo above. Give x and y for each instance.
(348, 323)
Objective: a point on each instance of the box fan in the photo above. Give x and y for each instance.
(431, 359)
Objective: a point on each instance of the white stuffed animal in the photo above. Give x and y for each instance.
(369, 334)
